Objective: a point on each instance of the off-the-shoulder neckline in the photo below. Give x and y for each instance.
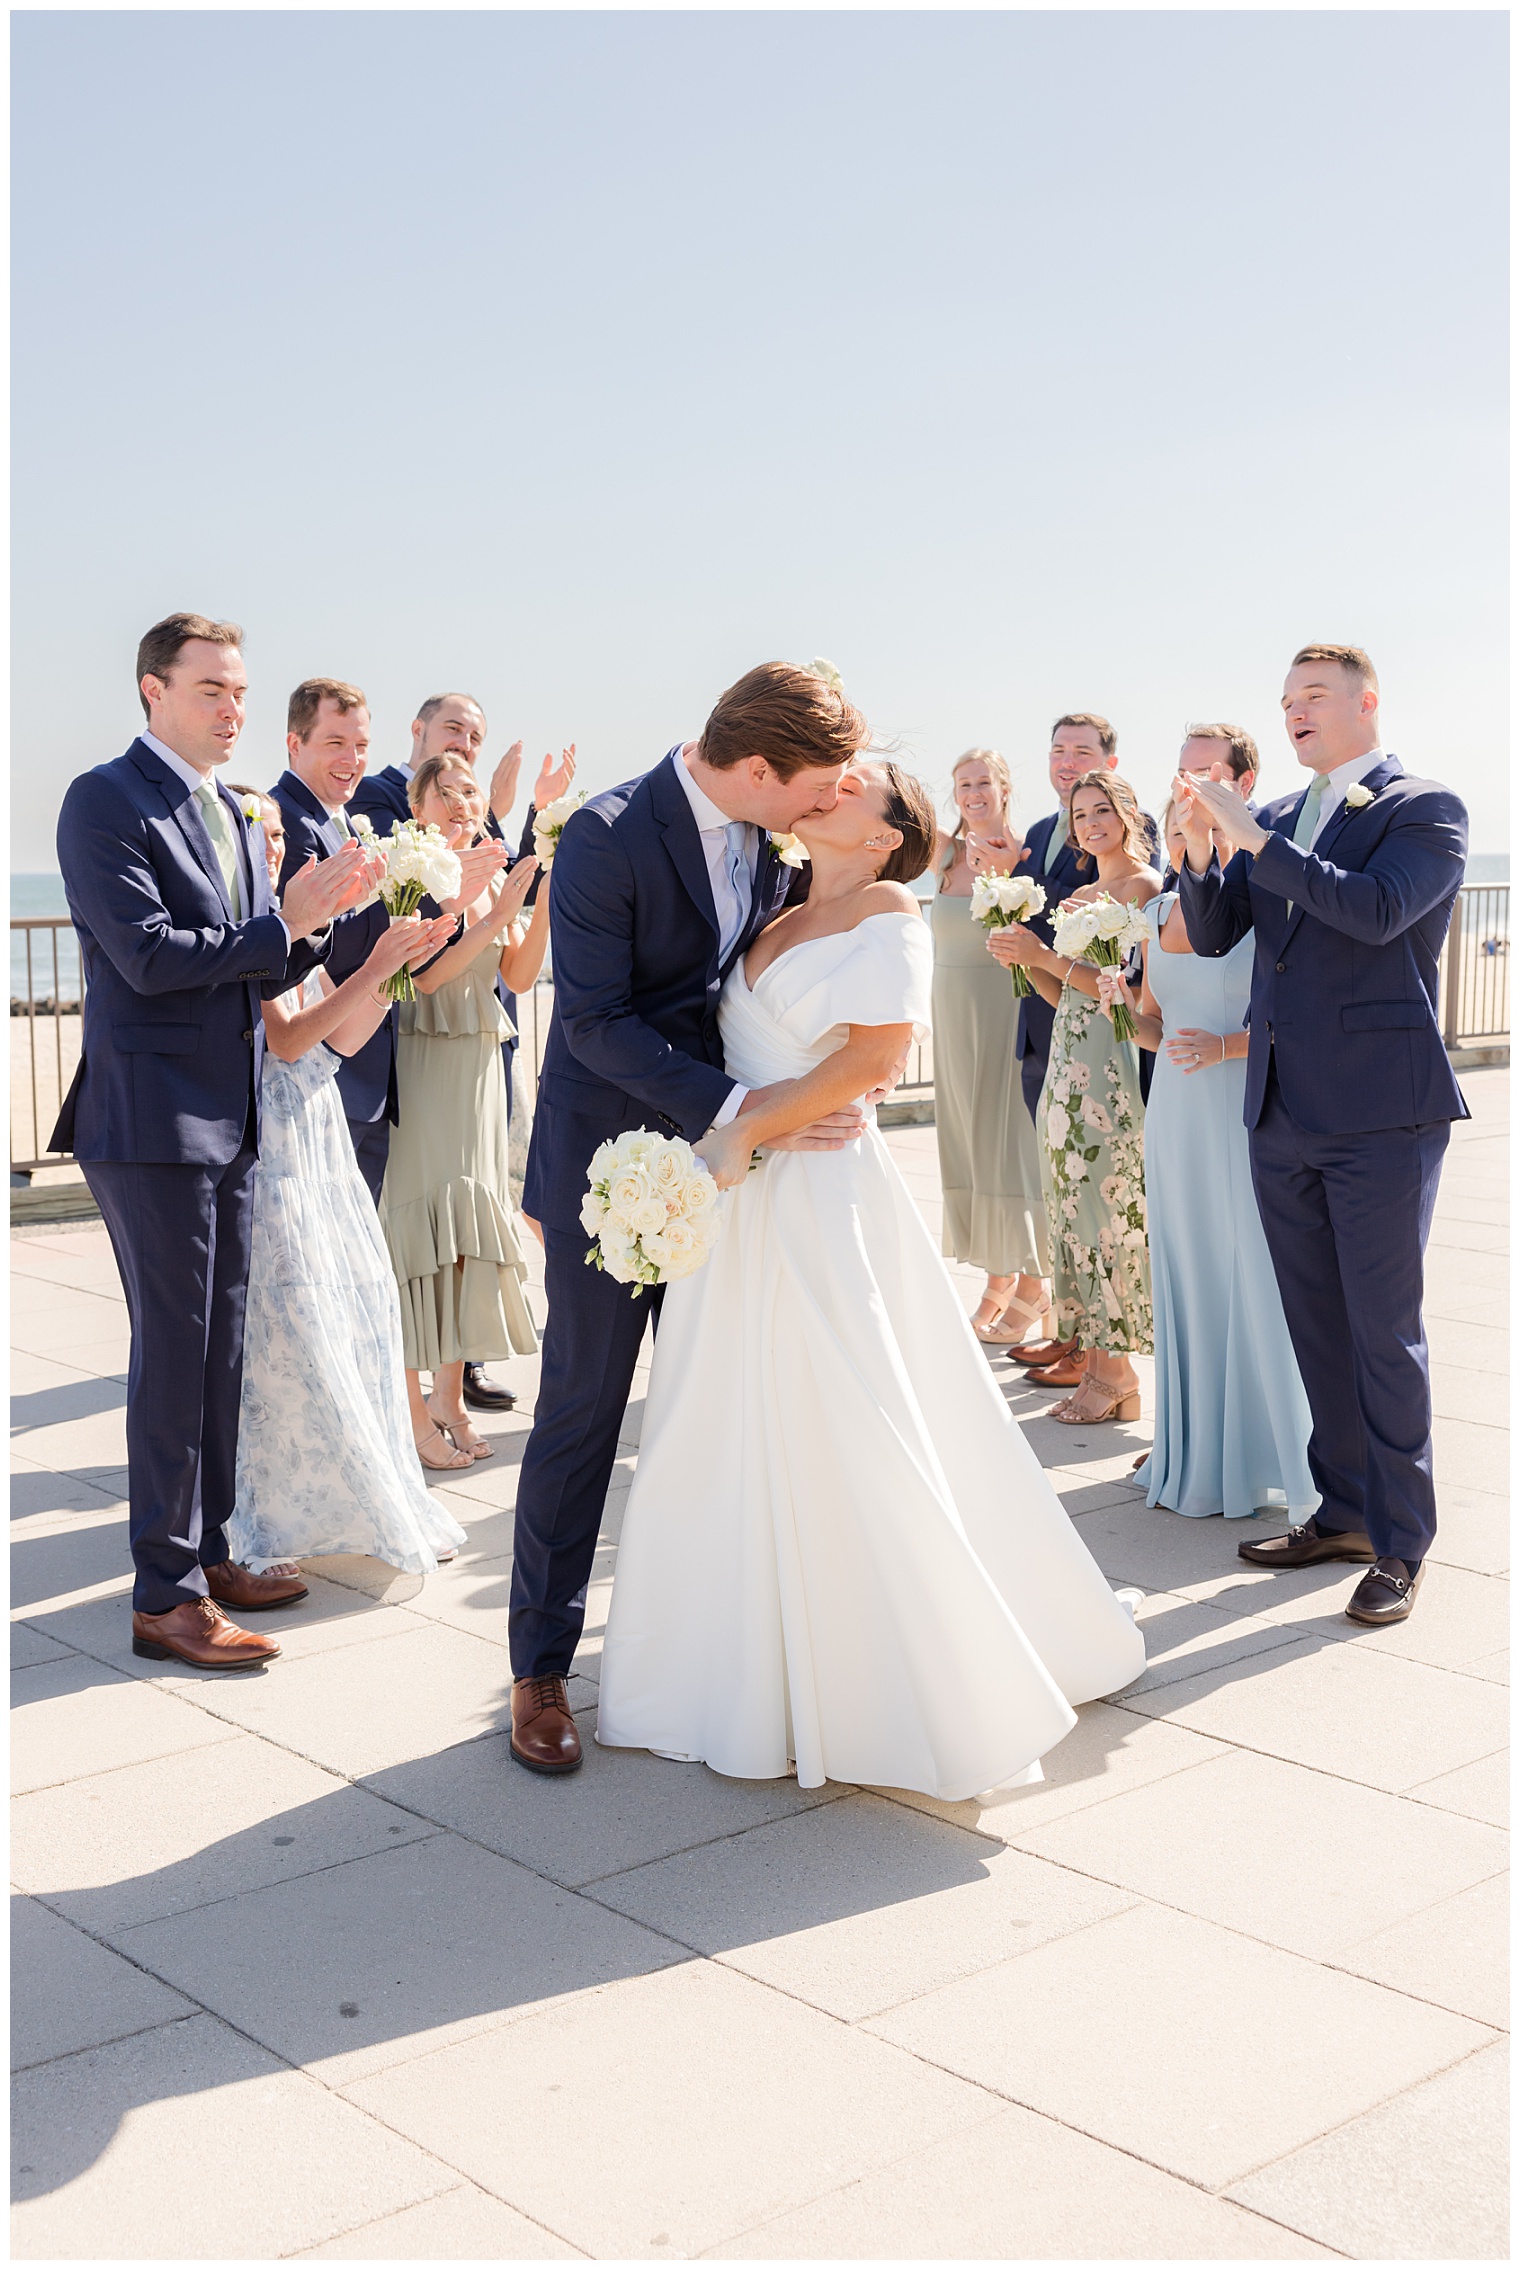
(888, 914)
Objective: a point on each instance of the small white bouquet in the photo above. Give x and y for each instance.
(418, 865)
(549, 826)
(652, 1208)
(997, 900)
(1102, 931)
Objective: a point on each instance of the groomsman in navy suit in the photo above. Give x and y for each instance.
(1231, 749)
(327, 739)
(1349, 886)
(180, 943)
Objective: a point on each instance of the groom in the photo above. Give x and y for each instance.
(1349, 887)
(658, 886)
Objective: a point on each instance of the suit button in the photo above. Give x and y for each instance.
(1281, 967)
(249, 1034)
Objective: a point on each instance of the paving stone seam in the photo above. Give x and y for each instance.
(378, 2222)
(1394, 2096)
(1252, 1750)
(156, 2026)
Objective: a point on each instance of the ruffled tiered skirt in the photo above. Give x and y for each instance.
(446, 1206)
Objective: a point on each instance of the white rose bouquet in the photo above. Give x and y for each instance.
(1102, 931)
(651, 1207)
(418, 865)
(997, 900)
(549, 826)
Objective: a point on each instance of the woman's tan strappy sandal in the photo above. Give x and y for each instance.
(1115, 1403)
(456, 1461)
(997, 1334)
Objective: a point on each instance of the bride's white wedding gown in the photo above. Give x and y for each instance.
(838, 1548)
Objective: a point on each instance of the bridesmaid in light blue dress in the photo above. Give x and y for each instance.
(325, 1457)
(1232, 1419)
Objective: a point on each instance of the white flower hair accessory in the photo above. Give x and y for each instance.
(790, 850)
(253, 810)
(827, 672)
(1358, 795)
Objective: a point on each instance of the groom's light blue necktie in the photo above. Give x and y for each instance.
(1308, 816)
(736, 866)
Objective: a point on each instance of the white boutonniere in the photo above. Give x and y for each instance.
(790, 850)
(1358, 795)
(253, 810)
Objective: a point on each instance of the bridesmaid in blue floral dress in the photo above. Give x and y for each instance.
(325, 1461)
(1232, 1418)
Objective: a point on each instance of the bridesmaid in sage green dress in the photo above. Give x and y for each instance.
(1092, 1132)
(989, 1158)
(446, 1204)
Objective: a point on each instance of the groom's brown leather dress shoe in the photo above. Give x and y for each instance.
(1042, 1351)
(236, 1587)
(545, 1738)
(1385, 1594)
(1305, 1545)
(1069, 1372)
(197, 1632)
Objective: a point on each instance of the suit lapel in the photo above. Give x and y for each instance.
(327, 827)
(183, 809)
(678, 827)
(1330, 833)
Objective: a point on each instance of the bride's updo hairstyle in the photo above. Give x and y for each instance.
(791, 717)
(909, 809)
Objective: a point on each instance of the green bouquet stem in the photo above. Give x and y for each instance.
(1103, 954)
(401, 899)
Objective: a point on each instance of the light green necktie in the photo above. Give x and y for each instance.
(219, 828)
(340, 822)
(1056, 842)
(1308, 816)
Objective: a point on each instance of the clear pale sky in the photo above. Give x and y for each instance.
(1017, 362)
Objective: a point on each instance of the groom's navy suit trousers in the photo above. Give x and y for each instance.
(633, 1043)
(1349, 1101)
(163, 1117)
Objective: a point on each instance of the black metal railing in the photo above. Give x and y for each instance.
(47, 988)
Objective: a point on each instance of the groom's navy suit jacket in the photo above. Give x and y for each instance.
(1349, 1099)
(1344, 986)
(367, 1079)
(633, 1041)
(173, 1038)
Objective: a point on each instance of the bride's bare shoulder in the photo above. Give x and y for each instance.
(889, 898)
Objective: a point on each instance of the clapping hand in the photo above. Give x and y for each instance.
(328, 887)
(408, 938)
(1210, 809)
(478, 862)
(504, 781)
(514, 890)
(554, 779)
(1015, 944)
(992, 852)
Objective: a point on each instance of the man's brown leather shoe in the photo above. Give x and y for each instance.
(1042, 1351)
(197, 1632)
(1385, 1594)
(1069, 1372)
(1305, 1545)
(236, 1587)
(545, 1738)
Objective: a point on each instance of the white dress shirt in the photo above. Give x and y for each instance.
(732, 912)
(1336, 784)
(195, 780)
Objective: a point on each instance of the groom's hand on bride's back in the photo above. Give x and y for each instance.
(830, 1133)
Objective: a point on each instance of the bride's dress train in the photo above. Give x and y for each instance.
(838, 1548)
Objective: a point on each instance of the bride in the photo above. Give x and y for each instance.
(839, 1551)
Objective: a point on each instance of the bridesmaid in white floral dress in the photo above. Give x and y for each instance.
(325, 1460)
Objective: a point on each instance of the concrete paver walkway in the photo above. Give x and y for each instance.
(305, 1967)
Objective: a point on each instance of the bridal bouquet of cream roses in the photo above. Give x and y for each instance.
(1102, 931)
(418, 865)
(997, 900)
(651, 1208)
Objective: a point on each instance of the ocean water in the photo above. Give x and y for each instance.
(43, 895)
